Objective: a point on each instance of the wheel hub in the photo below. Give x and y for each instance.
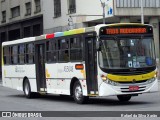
(27, 89)
(78, 92)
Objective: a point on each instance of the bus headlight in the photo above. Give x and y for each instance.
(150, 80)
(106, 80)
(103, 77)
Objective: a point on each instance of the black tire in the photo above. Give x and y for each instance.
(124, 98)
(27, 89)
(78, 94)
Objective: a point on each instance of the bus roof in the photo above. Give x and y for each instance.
(65, 33)
(29, 39)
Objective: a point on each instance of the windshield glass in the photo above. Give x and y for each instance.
(123, 53)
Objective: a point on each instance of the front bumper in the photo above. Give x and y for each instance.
(109, 90)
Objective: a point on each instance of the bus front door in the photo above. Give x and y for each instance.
(91, 65)
(40, 67)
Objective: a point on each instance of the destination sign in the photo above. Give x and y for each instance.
(108, 30)
(125, 31)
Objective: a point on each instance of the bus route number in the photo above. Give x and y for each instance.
(68, 68)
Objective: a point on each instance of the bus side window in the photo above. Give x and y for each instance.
(15, 54)
(51, 51)
(30, 53)
(76, 49)
(6, 54)
(21, 52)
(63, 47)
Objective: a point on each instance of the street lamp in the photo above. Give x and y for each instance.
(142, 14)
(103, 5)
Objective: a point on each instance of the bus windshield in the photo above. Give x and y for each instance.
(124, 53)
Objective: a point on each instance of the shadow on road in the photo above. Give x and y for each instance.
(114, 102)
(92, 101)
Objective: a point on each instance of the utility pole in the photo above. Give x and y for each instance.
(103, 6)
(142, 14)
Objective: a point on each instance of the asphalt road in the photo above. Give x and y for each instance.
(13, 100)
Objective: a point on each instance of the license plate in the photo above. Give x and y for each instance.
(133, 88)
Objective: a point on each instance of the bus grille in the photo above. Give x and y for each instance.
(126, 89)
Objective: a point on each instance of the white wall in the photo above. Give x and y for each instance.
(87, 7)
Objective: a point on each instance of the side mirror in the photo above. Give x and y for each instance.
(98, 45)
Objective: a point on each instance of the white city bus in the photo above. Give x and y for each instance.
(104, 60)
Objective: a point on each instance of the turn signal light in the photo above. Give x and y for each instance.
(79, 66)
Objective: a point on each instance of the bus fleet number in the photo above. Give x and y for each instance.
(68, 68)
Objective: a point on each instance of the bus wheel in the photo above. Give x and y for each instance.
(27, 89)
(78, 94)
(124, 98)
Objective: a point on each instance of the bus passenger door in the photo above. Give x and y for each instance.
(91, 64)
(40, 67)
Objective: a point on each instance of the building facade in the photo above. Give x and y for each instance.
(83, 13)
(57, 14)
(19, 19)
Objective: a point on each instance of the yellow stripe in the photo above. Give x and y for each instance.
(118, 78)
(80, 30)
